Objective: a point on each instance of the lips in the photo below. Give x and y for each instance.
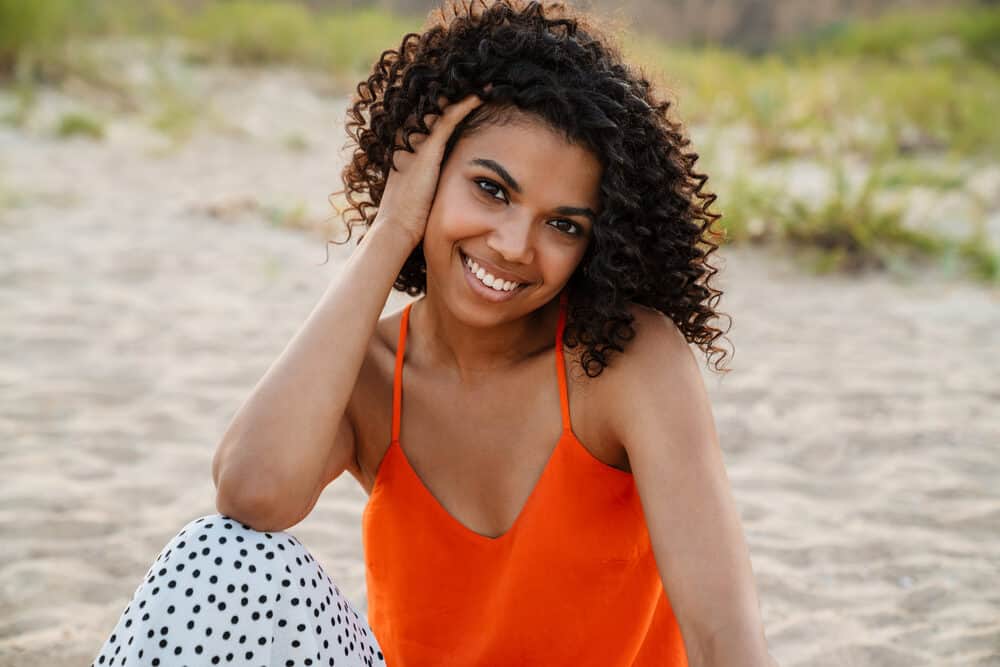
(480, 289)
(494, 270)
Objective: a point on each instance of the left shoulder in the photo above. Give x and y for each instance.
(655, 335)
(658, 348)
(655, 383)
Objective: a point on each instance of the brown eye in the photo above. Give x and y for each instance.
(490, 184)
(569, 227)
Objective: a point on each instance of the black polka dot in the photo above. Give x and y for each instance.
(256, 582)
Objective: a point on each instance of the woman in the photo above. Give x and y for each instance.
(545, 479)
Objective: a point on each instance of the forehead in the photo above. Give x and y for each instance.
(539, 158)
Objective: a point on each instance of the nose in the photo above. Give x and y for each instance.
(513, 239)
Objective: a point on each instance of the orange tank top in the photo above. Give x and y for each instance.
(573, 582)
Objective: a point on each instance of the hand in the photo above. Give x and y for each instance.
(409, 192)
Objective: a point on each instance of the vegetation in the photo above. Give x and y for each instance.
(255, 33)
(910, 95)
(937, 36)
(78, 124)
(30, 32)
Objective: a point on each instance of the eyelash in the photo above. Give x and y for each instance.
(577, 229)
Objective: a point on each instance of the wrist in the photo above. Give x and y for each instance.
(389, 235)
(389, 242)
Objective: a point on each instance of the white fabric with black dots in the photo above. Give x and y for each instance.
(221, 592)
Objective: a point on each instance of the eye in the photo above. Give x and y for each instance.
(568, 227)
(489, 184)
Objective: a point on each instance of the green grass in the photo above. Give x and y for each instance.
(848, 230)
(31, 33)
(927, 37)
(177, 113)
(353, 40)
(248, 32)
(901, 174)
(812, 106)
(899, 74)
(914, 94)
(39, 38)
(77, 124)
(254, 33)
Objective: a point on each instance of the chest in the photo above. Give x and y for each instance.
(479, 449)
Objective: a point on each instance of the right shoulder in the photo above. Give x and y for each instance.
(376, 373)
(370, 405)
(386, 336)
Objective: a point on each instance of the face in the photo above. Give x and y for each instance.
(512, 218)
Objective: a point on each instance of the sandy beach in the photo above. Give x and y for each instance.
(145, 289)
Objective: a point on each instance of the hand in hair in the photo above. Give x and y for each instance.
(413, 178)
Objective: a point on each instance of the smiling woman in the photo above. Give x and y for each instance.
(531, 231)
(649, 244)
(545, 481)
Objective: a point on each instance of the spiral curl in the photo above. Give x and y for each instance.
(654, 233)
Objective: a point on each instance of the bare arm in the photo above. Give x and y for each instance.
(665, 421)
(292, 434)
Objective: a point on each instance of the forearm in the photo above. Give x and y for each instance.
(281, 435)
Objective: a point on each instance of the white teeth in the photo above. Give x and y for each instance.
(488, 279)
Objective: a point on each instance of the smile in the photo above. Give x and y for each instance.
(486, 284)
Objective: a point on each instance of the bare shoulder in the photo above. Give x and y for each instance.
(386, 333)
(658, 346)
(376, 370)
(371, 398)
(656, 368)
(655, 333)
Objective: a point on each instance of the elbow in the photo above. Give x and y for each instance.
(240, 496)
(255, 510)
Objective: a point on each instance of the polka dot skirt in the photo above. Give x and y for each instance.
(221, 592)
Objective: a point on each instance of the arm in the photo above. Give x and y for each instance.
(292, 436)
(663, 417)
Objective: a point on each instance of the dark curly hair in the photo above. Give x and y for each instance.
(654, 233)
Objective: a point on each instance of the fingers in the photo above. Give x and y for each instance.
(443, 124)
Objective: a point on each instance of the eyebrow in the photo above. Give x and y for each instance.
(498, 169)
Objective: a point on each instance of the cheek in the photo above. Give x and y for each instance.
(447, 226)
(564, 266)
(454, 220)
(556, 262)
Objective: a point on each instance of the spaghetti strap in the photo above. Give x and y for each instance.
(397, 376)
(397, 379)
(432, 579)
(561, 363)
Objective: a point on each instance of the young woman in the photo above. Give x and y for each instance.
(544, 476)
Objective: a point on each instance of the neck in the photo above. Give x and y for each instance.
(472, 352)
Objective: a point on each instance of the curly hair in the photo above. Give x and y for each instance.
(654, 233)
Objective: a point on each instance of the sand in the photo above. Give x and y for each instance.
(144, 291)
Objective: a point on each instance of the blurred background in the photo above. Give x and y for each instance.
(873, 120)
(166, 171)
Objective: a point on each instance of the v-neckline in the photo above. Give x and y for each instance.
(451, 519)
(395, 440)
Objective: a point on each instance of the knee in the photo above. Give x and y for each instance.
(218, 522)
(221, 542)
